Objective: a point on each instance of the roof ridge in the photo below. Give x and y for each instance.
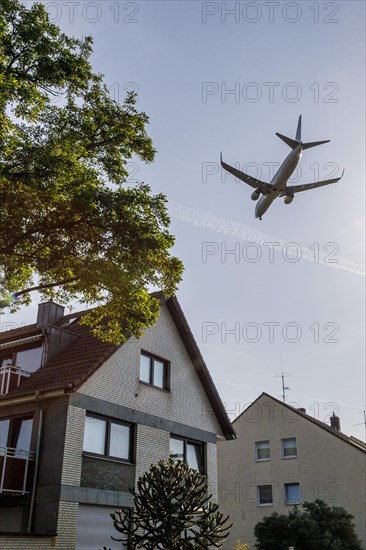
(323, 425)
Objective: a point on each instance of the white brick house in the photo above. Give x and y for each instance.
(90, 418)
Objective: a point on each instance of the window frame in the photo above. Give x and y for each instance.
(12, 355)
(285, 487)
(257, 459)
(286, 457)
(186, 441)
(107, 439)
(166, 373)
(259, 503)
(13, 433)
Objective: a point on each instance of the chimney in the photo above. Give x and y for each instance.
(335, 423)
(302, 409)
(49, 313)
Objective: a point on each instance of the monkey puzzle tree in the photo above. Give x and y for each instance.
(68, 226)
(172, 511)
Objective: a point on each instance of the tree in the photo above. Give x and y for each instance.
(172, 511)
(69, 228)
(319, 526)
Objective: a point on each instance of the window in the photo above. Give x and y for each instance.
(191, 452)
(262, 450)
(23, 439)
(26, 358)
(289, 449)
(106, 437)
(292, 493)
(16, 433)
(154, 371)
(4, 431)
(264, 495)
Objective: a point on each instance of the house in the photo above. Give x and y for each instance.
(81, 420)
(283, 457)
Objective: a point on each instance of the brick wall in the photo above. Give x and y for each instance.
(74, 438)
(117, 380)
(212, 470)
(71, 475)
(30, 543)
(152, 445)
(66, 526)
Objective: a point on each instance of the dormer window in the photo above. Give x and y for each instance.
(18, 360)
(28, 359)
(26, 356)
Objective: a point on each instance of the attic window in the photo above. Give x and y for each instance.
(154, 371)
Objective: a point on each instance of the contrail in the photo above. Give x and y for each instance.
(201, 218)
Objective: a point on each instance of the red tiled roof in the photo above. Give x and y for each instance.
(71, 367)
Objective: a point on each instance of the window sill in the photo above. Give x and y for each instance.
(265, 505)
(289, 457)
(108, 459)
(292, 503)
(152, 386)
(262, 459)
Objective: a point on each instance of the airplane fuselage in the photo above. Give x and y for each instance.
(279, 181)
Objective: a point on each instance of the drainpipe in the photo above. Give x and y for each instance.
(36, 462)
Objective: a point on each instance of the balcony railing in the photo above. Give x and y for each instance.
(10, 378)
(16, 470)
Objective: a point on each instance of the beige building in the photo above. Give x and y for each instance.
(284, 457)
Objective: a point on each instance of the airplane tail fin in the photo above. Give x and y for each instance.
(290, 142)
(293, 143)
(298, 131)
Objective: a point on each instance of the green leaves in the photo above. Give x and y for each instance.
(63, 228)
(317, 526)
(37, 61)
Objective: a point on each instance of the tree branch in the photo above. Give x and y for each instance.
(49, 285)
(9, 248)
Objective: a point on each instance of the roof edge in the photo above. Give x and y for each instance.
(195, 355)
(319, 423)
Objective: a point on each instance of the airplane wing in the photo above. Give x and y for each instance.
(297, 188)
(263, 186)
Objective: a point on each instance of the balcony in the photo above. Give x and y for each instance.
(10, 378)
(16, 471)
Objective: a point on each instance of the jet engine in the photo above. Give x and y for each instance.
(288, 199)
(255, 195)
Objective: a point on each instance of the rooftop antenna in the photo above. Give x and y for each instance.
(364, 421)
(284, 387)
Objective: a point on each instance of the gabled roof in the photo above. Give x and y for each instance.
(358, 444)
(70, 368)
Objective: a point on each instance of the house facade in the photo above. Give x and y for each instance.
(283, 457)
(81, 420)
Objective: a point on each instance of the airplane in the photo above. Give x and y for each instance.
(278, 185)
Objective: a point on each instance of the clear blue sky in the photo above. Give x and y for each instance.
(184, 58)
